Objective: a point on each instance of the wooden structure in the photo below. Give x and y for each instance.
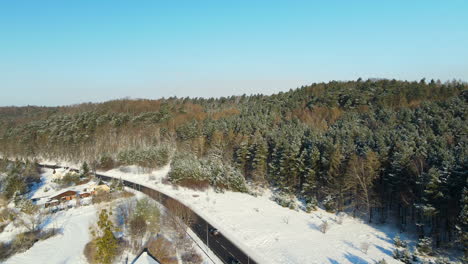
(65, 196)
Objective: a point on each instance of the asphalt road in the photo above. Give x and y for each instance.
(224, 249)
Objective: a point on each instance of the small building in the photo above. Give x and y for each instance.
(85, 194)
(65, 196)
(51, 203)
(102, 188)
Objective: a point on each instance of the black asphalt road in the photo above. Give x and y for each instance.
(226, 250)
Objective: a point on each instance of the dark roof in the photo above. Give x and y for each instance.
(145, 250)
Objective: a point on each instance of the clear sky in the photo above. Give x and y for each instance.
(66, 52)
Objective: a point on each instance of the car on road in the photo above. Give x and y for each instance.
(234, 261)
(214, 231)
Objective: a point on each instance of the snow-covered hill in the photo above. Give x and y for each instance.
(275, 234)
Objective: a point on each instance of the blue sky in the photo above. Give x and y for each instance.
(66, 52)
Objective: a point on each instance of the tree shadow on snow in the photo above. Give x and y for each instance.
(386, 239)
(384, 250)
(332, 261)
(314, 226)
(351, 245)
(355, 259)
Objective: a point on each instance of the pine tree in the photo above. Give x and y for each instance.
(106, 244)
(259, 162)
(242, 157)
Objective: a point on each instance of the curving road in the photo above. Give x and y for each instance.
(224, 249)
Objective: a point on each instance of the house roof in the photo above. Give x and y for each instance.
(66, 193)
(145, 258)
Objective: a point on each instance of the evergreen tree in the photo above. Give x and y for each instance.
(106, 243)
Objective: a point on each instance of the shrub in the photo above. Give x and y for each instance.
(285, 200)
(149, 212)
(329, 204)
(424, 246)
(324, 227)
(151, 157)
(5, 250)
(403, 255)
(105, 162)
(7, 214)
(24, 241)
(116, 185)
(90, 252)
(311, 204)
(69, 179)
(137, 226)
(163, 250)
(399, 243)
(192, 257)
(84, 170)
(101, 197)
(189, 171)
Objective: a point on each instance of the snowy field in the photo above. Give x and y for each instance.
(66, 247)
(273, 234)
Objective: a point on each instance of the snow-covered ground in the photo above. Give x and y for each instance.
(271, 233)
(74, 223)
(66, 247)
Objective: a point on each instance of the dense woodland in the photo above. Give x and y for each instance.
(385, 150)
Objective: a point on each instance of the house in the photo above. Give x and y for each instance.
(85, 194)
(51, 203)
(145, 258)
(65, 196)
(99, 188)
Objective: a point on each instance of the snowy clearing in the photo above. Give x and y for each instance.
(66, 247)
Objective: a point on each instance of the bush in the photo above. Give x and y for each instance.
(137, 226)
(5, 251)
(424, 246)
(285, 200)
(90, 252)
(192, 257)
(311, 204)
(149, 212)
(151, 157)
(163, 250)
(105, 162)
(324, 227)
(329, 204)
(101, 197)
(189, 171)
(399, 243)
(403, 255)
(6, 215)
(69, 179)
